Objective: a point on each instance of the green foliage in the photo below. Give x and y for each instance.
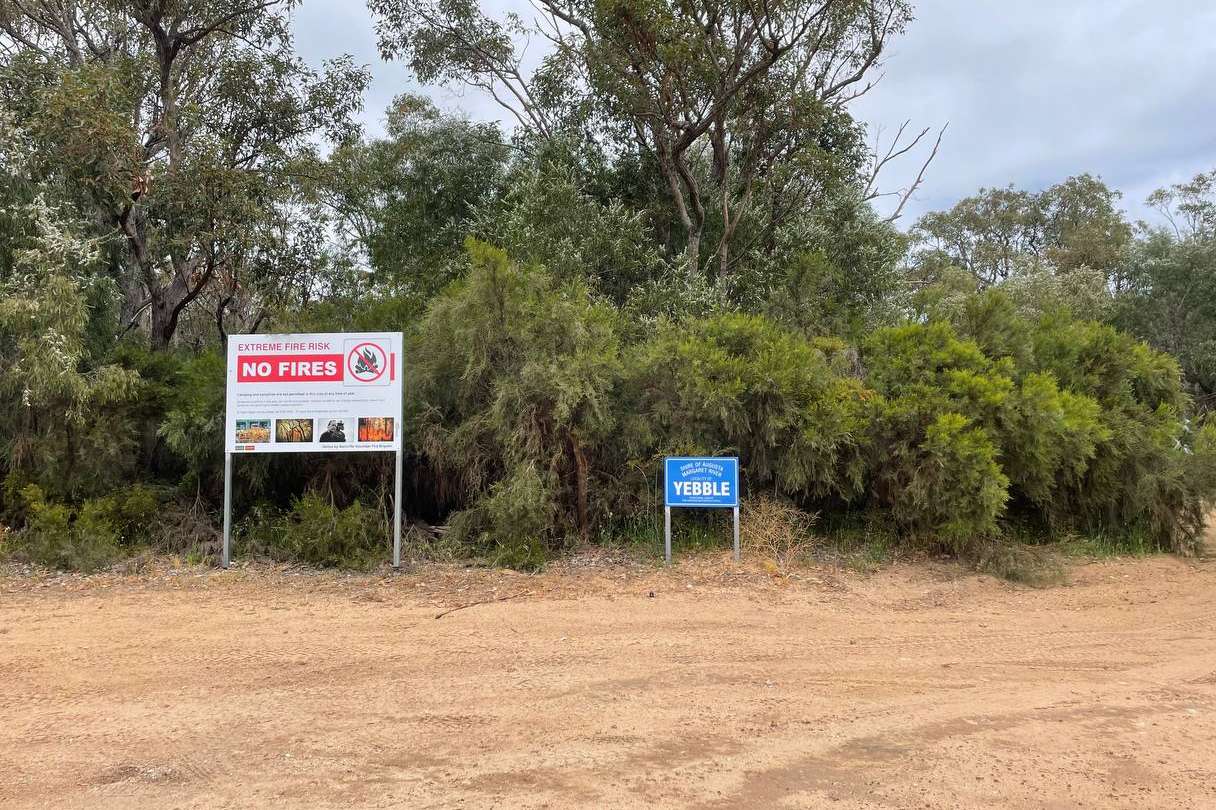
(1053, 436)
(1002, 233)
(545, 218)
(1139, 474)
(178, 131)
(759, 129)
(316, 532)
(193, 425)
(841, 270)
(1087, 422)
(513, 524)
(513, 370)
(1170, 301)
(740, 384)
(94, 535)
(957, 488)
(402, 204)
(66, 424)
(935, 450)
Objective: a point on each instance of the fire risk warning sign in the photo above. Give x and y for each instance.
(321, 392)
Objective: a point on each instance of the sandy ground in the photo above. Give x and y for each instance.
(918, 686)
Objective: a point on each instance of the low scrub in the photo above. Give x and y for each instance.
(777, 532)
(316, 532)
(544, 419)
(94, 535)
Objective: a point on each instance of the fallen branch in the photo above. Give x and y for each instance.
(483, 602)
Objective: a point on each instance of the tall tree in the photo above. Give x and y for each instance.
(402, 203)
(1170, 293)
(718, 95)
(174, 126)
(1002, 232)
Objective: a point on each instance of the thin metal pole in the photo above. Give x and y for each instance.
(397, 514)
(227, 509)
(736, 511)
(667, 533)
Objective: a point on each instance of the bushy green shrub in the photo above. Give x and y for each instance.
(1049, 439)
(935, 452)
(1139, 476)
(1086, 423)
(1106, 364)
(740, 384)
(513, 524)
(94, 535)
(68, 420)
(514, 371)
(958, 486)
(316, 532)
(193, 426)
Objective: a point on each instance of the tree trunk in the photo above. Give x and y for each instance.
(694, 250)
(164, 321)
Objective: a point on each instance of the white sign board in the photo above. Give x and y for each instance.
(313, 393)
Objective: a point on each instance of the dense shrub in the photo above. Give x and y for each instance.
(70, 421)
(1050, 439)
(93, 535)
(1139, 478)
(521, 387)
(193, 426)
(514, 372)
(1086, 425)
(316, 532)
(511, 525)
(740, 384)
(538, 414)
(936, 448)
(538, 421)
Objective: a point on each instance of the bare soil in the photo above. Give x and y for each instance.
(917, 686)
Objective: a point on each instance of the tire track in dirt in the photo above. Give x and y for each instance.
(308, 691)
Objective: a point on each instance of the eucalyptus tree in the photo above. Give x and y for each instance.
(1170, 293)
(174, 125)
(1000, 233)
(401, 204)
(725, 99)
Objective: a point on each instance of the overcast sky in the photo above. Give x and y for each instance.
(1033, 91)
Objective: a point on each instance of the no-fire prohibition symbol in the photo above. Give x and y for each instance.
(368, 362)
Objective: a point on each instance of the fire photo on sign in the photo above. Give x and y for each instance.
(376, 429)
(252, 431)
(293, 430)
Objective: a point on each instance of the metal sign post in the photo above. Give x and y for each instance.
(313, 393)
(397, 513)
(227, 506)
(704, 483)
(667, 534)
(736, 516)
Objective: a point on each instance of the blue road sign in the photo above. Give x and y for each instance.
(702, 481)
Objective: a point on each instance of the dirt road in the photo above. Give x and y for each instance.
(919, 686)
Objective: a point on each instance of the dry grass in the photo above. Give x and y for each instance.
(778, 533)
(1027, 565)
(187, 527)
